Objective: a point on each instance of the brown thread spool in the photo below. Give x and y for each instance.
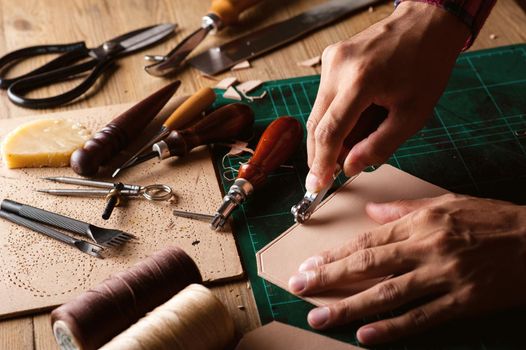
(193, 319)
(96, 316)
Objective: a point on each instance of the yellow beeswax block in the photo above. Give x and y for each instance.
(43, 143)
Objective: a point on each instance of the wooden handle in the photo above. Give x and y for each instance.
(223, 124)
(120, 132)
(369, 121)
(190, 110)
(229, 10)
(277, 144)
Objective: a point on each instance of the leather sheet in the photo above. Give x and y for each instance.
(334, 222)
(279, 336)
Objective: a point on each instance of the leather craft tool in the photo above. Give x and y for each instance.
(218, 59)
(222, 124)
(369, 121)
(76, 59)
(222, 13)
(184, 115)
(277, 144)
(101, 236)
(83, 246)
(113, 192)
(120, 132)
(192, 215)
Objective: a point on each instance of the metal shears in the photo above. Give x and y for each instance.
(76, 58)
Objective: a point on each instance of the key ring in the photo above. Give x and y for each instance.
(157, 192)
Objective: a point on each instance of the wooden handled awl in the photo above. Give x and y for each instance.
(222, 124)
(277, 144)
(369, 121)
(120, 132)
(187, 113)
(222, 13)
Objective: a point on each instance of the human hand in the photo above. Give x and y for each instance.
(463, 255)
(401, 63)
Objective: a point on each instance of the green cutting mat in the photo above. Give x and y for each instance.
(473, 145)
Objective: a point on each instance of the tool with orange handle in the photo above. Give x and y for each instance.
(222, 13)
(369, 121)
(277, 144)
(221, 125)
(187, 113)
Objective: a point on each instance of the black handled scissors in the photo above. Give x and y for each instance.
(67, 65)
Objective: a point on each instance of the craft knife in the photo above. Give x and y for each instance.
(222, 13)
(218, 59)
(369, 121)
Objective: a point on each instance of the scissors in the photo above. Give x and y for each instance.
(155, 192)
(69, 64)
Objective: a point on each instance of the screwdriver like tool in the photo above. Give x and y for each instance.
(185, 114)
(369, 121)
(222, 13)
(223, 124)
(277, 144)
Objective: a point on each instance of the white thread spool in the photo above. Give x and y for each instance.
(193, 319)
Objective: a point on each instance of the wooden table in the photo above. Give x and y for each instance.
(33, 22)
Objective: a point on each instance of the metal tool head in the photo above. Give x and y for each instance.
(148, 146)
(310, 201)
(193, 216)
(135, 161)
(109, 238)
(165, 65)
(304, 209)
(88, 248)
(134, 40)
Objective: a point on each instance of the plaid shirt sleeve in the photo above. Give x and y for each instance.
(472, 12)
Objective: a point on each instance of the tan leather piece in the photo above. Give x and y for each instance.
(38, 273)
(280, 336)
(335, 221)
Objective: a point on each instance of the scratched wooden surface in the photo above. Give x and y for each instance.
(33, 22)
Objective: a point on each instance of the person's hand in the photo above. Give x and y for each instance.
(401, 63)
(463, 255)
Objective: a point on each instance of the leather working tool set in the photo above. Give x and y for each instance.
(189, 126)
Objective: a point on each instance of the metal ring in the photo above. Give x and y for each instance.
(157, 192)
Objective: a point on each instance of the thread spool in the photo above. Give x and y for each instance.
(96, 316)
(193, 319)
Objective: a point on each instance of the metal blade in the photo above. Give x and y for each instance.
(158, 137)
(136, 161)
(194, 216)
(148, 37)
(218, 59)
(174, 58)
(73, 192)
(80, 181)
(134, 40)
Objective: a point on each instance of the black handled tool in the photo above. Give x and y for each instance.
(76, 59)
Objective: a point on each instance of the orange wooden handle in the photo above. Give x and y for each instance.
(229, 10)
(277, 144)
(190, 110)
(222, 124)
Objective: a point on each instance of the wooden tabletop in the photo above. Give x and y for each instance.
(36, 22)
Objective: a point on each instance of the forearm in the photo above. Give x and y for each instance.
(472, 13)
